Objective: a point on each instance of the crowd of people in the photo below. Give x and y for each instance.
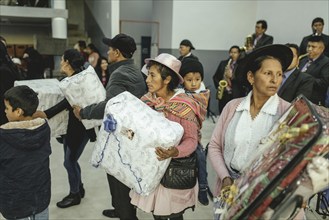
(256, 83)
(307, 74)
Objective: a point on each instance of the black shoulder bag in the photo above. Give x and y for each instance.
(181, 173)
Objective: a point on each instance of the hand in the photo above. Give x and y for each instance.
(249, 48)
(227, 181)
(166, 153)
(228, 73)
(226, 187)
(39, 114)
(76, 111)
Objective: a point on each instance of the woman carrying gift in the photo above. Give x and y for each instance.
(163, 96)
(76, 137)
(245, 121)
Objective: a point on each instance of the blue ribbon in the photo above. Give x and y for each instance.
(110, 124)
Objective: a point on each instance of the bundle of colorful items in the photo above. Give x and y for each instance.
(290, 167)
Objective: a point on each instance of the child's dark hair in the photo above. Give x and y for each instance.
(22, 97)
(164, 72)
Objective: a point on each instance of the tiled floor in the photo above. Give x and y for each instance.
(97, 192)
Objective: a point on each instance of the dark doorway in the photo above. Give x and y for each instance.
(146, 49)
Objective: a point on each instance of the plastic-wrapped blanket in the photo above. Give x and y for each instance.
(126, 142)
(49, 94)
(84, 89)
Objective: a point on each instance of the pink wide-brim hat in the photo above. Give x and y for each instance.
(169, 61)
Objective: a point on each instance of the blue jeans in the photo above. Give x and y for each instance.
(71, 163)
(202, 167)
(44, 215)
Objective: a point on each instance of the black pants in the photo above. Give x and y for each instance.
(121, 199)
(178, 217)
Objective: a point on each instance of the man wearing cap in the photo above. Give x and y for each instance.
(317, 28)
(185, 50)
(125, 76)
(316, 64)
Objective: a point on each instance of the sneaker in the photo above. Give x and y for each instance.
(203, 197)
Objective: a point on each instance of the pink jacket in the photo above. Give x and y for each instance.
(216, 145)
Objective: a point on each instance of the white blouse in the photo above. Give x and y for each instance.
(243, 133)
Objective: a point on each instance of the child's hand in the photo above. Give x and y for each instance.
(166, 153)
(39, 114)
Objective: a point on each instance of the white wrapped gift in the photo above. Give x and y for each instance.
(49, 94)
(84, 89)
(128, 152)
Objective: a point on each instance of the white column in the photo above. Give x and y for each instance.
(115, 17)
(59, 25)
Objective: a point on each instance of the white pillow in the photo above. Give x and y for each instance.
(84, 89)
(128, 153)
(49, 94)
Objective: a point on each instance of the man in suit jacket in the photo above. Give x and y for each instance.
(185, 50)
(316, 64)
(294, 82)
(317, 28)
(259, 38)
(225, 72)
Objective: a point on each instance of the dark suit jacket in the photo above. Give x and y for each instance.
(191, 56)
(219, 74)
(264, 40)
(237, 88)
(319, 70)
(303, 44)
(296, 84)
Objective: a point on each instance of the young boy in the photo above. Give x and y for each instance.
(24, 158)
(192, 72)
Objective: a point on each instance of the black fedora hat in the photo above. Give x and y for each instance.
(278, 51)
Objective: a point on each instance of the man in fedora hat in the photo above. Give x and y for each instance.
(125, 76)
(185, 50)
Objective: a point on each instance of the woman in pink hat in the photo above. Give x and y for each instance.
(162, 81)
